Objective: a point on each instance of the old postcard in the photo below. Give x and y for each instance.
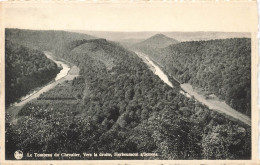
(129, 82)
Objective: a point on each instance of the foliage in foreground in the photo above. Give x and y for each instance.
(124, 107)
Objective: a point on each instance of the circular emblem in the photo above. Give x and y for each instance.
(18, 154)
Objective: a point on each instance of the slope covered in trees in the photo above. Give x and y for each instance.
(123, 107)
(51, 40)
(220, 67)
(25, 69)
(157, 41)
(152, 44)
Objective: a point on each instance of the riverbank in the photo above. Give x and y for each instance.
(156, 70)
(216, 104)
(187, 90)
(66, 73)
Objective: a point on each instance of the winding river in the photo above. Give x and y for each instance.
(187, 90)
(65, 67)
(66, 73)
(156, 70)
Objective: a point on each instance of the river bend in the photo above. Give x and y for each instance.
(188, 91)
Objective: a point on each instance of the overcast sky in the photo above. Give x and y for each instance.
(131, 17)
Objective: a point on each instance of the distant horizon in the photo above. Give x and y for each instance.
(135, 37)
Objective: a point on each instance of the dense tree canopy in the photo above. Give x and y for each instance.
(221, 67)
(51, 40)
(25, 69)
(121, 106)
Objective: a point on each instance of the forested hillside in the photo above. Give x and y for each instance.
(152, 44)
(220, 67)
(123, 107)
(25, 69)
(51, 40)
(157, 41)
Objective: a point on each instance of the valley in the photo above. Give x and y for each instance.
(114, 100)
(213, 104)
(219, 67)
(65, 74)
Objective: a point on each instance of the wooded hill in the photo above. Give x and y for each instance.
(124, 107)
(220, 67)
(51, 40)
(157, 41)
(25, 69)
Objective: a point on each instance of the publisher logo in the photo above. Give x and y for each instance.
(18, 154)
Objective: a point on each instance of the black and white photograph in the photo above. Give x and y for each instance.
(129, 81)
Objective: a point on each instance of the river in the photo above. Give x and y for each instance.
(66, 73)
(188, 91)
(156, 70)
(65, 67)
(58, 79)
